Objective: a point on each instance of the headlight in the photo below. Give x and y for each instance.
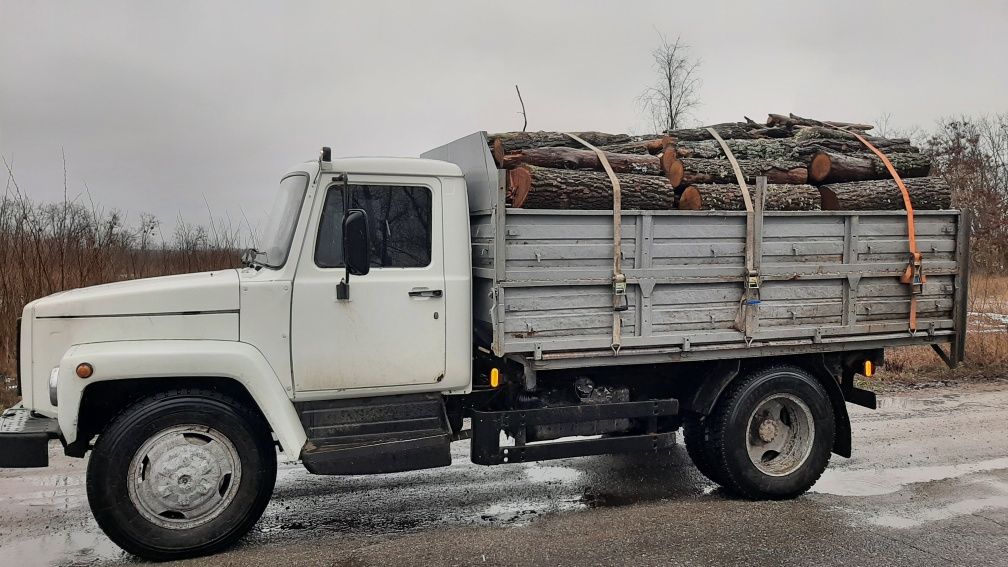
(53, 380)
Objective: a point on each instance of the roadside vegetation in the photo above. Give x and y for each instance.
(49, 247)
(971, 153)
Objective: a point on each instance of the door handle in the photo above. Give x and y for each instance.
(423, 292)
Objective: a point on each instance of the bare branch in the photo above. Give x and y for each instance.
(525, 125)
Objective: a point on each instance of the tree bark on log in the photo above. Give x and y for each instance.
(832, 167)
(513, 141)
(926, 193)
(805, 149)
(720, 171)
(741, 149)
(726, 130)
(532, 187)
(818, 133)
(791, 120)
(784, 149)
(570, 158)
(728, 197)
(646, 145)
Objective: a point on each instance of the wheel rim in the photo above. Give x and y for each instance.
(184, 476)
(780, 434)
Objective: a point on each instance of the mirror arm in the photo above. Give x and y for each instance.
(343, 288)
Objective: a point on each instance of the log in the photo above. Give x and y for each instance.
(786, 149)
(571, 158)
(726, 130)
(514, 141)
(700, 170)
(819, 134)
(742, 149)
(653, 146)
(728, 197)
(926, 193)
(805, 149)
(533, 187)
(832, 167)
(791, 121)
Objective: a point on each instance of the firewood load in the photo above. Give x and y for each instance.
(809, 165)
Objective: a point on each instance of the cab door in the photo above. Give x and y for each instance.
(391, 330)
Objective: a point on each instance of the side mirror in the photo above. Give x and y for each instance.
(356, 242)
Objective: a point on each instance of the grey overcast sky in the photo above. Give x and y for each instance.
(158, 104)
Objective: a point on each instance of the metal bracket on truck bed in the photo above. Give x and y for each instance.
(487, 427)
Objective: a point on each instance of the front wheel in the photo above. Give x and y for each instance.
(181, 474)
(772, 434)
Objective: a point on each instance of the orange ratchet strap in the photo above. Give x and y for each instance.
(913, 276)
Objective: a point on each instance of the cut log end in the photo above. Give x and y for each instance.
(819, 168)
(497, 150)
(672, 166)
(828, 200)
(690, 199)
(519, 185)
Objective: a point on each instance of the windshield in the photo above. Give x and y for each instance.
(279, 231)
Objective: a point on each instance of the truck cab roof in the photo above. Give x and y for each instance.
(386, 166)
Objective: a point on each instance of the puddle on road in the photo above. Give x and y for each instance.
(927, 515)
(547, 474)
(874, 482)
(521, 513)
(73, 549)
(905, 403)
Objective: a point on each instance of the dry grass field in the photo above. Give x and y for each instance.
(47, 248)
(986, 343)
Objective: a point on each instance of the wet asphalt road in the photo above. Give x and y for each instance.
(928, 485)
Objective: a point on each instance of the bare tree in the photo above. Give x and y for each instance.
(885, 127)
(676, 91)
(971, 153)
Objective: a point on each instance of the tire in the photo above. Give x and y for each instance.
(698, 447)
(772, 433)
(159, 481)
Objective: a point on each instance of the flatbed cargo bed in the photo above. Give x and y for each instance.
(542, 279)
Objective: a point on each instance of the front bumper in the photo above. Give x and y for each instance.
(24, 438)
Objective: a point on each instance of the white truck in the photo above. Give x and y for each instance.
(394, 298)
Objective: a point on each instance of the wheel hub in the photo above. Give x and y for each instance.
(780, 434)
(184, 476)
(768, 430)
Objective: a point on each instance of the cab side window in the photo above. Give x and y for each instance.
(399, 222)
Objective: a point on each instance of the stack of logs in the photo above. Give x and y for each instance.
(809, 165)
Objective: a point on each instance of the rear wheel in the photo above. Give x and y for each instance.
(181, 474)
(772, 434)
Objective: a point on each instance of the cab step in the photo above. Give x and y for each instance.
(375, 435)
(488, 426)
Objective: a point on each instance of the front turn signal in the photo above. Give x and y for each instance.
(84, 370)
